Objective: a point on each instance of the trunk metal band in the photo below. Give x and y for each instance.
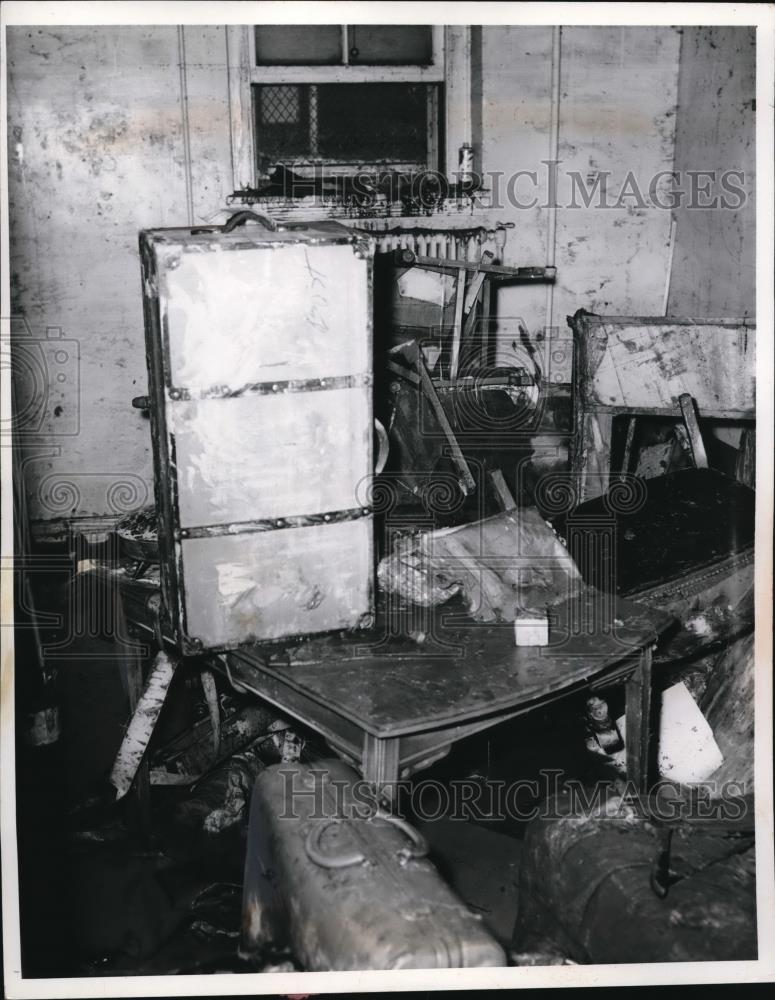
(276, 388)
(274, 523)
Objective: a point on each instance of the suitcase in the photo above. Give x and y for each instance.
(345, 887)
(603, 886)
(258, 342)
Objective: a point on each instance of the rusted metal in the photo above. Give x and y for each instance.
(275, 524)
(272, 388)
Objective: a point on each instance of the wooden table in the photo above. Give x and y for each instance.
(393, 707)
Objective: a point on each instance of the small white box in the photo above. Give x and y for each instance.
(531, 628)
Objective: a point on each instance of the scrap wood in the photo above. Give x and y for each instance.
(142, 723)
(502, 491)
(213, 707)
(689, 413)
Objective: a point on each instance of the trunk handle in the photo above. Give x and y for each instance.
(315, 853)
(240, 218)
(418, 849)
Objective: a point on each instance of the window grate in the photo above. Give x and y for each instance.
(347, 123)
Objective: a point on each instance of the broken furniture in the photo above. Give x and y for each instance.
(425, 459)
(472, 306)
(346, 885)
(446, 303)
(634, 365)
(392, 707)
(258, 344)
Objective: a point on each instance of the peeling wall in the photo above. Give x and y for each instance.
(102, 143)
(714, 264)
(107, 136)
(617, 102)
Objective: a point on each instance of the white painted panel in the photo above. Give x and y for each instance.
(256, 315)
(277, 583)
(259, 456)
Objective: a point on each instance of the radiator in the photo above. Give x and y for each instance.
(449, 244)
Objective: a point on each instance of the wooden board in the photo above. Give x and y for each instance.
(646, 364)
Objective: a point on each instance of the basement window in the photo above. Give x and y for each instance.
(345, 124)
(347, 98)
(343, 45)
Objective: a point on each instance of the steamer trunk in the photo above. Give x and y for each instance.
(260, 372)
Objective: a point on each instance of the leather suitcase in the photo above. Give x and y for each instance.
(345, 887)
(259, 356)
(609, 885)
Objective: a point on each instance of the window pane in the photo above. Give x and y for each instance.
(387, 45)
(372, 121)
(298, 44)
(358, 123)
(283, 121)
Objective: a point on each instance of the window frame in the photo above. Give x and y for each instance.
(359, 73)
(451, 48)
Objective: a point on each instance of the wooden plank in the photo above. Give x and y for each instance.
(502, 492)
(238, 49)
(476, 282)
(638, 721)
(745, 469)
(457, 326)
(689, 412)
(484, 329)
(466, 478)
(627, 457)
(496, 271)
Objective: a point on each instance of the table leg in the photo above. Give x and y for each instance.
(638, 721)
(380, 764)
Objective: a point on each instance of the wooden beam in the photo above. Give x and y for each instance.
(689, 412)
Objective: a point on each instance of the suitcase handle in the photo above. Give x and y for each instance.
(420, 844)
(418, 849)
(316, 854)
(240, 218)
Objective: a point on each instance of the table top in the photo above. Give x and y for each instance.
(397, 687)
